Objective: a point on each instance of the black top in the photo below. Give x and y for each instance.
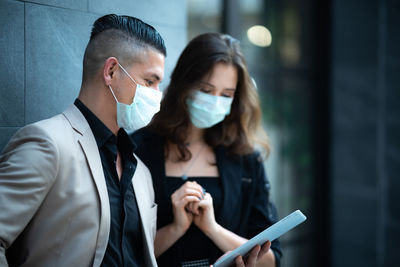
(194, 245)
(245, 205)
(125, 240)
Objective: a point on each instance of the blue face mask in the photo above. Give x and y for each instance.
(207, 110)
(145, 104)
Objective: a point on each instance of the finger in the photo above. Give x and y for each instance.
(204, 204)
(252, 259)
(188, 185)
(207, 202)
(203, 191)
(190, 207)
(239, 261)
(195, 186)
(193, 192)
(186, 191)
(184, 201)
(195, 207)
(208, 196)
(190, 215)
(264, 249)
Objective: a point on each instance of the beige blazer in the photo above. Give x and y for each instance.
(54, 207)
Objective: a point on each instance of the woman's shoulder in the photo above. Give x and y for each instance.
(254, 157)
(145, 138)
(143, 135)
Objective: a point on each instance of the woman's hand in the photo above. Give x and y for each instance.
(166, 236)
(204, 217)
(253, 258)
(189, 192)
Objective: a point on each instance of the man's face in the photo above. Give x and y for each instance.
(149, 73)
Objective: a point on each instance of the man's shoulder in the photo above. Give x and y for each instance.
(49, 122)
(44, 137)
(50, 126)
(56, 130)
(69, 119)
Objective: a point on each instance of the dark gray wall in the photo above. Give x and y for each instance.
(366, 133)
(42, 44)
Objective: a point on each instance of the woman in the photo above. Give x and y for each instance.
(209, 183)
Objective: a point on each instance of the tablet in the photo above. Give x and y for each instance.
(271, 233)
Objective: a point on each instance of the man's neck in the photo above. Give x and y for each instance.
(102, 105)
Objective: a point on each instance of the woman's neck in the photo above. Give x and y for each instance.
(195, 135)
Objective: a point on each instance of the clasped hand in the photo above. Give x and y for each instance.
(191, 204)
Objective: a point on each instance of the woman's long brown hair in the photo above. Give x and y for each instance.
(241, 129)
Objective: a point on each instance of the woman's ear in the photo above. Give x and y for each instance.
(109, 69)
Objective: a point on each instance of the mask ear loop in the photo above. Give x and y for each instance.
(127, 74)
(109, 86)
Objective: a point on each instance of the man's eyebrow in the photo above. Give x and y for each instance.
(155, 76)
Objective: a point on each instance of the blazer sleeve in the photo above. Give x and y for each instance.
(263, 212)
(28, 167)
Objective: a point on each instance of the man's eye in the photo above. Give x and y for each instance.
(149, 82)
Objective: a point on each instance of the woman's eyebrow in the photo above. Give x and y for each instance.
(208, 84)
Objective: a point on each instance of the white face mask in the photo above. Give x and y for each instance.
(145, 104)
(206, 110)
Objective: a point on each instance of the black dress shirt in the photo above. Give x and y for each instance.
(125, 241)
(245, 208)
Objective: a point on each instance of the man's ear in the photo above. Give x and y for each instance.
(109, 69)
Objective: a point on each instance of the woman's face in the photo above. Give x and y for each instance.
(222, 81)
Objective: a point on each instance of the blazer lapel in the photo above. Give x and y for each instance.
(139, 187)
(89, 146)
(141, 182)
(230, 170)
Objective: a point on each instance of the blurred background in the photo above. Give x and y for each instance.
(328, 76)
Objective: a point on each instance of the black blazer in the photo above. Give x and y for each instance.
(246, 207)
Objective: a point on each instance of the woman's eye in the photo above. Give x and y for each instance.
(227, 95)
(205, 90)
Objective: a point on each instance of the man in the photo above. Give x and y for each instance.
(72, 192)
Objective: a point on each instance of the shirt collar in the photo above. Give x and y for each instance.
(125, 142)
(100, 130)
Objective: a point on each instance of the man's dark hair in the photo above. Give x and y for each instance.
(124, 37)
